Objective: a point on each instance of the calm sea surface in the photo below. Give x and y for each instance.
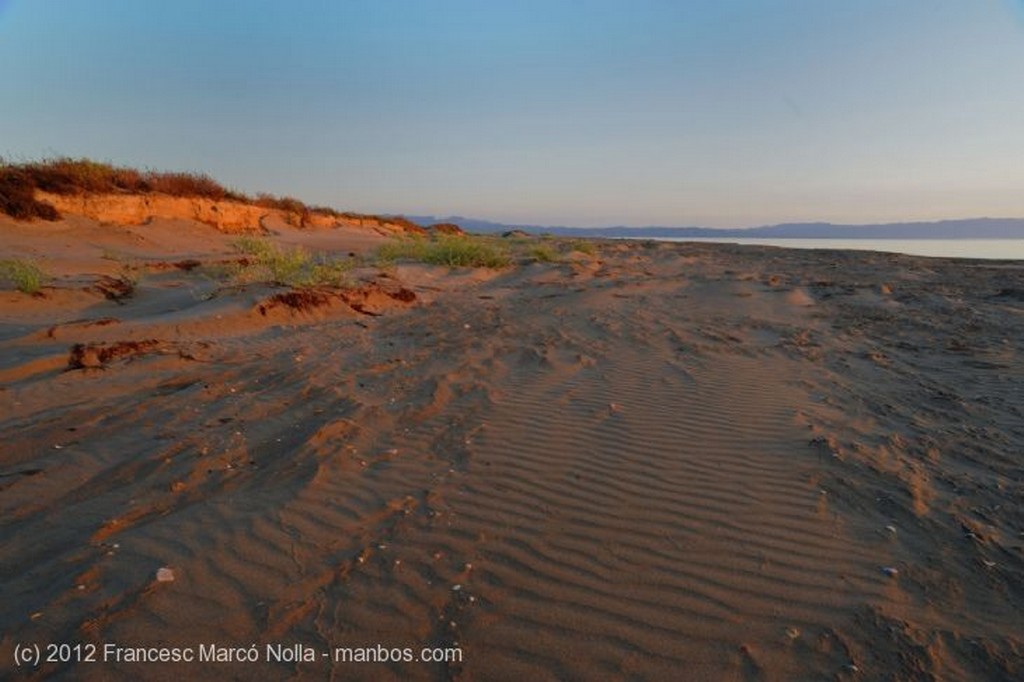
(953, 248)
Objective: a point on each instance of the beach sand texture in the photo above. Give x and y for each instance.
(657, 461)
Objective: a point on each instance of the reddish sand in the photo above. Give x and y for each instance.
(658, 461)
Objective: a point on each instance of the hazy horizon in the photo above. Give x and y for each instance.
(752, 226)
(712, 113)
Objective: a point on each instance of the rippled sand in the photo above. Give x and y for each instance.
(657, 461)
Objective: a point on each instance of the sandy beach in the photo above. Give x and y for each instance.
(640, 460)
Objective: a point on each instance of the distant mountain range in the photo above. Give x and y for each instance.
(974, 228)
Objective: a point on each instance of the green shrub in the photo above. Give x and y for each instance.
(25, 275)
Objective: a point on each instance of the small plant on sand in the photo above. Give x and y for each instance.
(131, 274)
(25, 275)
(121, 286)
(294, 267)
(453, 251)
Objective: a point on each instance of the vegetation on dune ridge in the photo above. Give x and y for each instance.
(17, 197)
(69, 176)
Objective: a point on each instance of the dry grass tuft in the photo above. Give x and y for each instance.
(99, 355)
(17, 197)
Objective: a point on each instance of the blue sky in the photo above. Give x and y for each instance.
(710, 112)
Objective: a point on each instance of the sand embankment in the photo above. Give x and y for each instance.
(225, 215)
(664, 461)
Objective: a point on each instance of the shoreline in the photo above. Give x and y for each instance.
(988, 249)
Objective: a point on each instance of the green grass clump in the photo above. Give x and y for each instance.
(583, 246)
(542, 253)
(267, 262)
(466, 252)
(332, 273)
(254, 246)
(403, 248)
(26, 276)
(454, 251)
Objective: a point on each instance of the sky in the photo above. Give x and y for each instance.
(718, 113)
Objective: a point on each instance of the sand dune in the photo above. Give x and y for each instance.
(660, 461)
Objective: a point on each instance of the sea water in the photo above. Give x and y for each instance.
(944, 248)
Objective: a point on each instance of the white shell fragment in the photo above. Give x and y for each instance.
(164, 575)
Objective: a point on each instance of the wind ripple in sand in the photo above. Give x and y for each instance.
(676, 519)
